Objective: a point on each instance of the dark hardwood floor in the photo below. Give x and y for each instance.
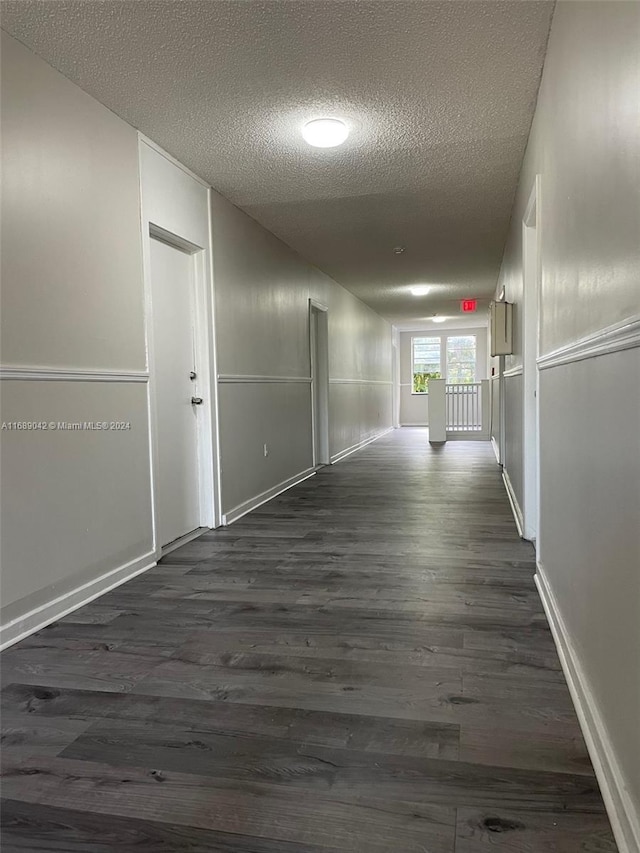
(362, 665)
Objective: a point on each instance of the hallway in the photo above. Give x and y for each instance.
(362, 664)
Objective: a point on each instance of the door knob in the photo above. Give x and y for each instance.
(196, 401)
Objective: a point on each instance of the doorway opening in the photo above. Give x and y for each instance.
(531, 273)
(319, 352)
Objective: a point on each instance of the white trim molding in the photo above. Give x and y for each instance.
(214, 388)
(615, 338)
(496, 449)
(513, 371)
(233, 378)
(360, 382)
(71, 374)
(39, 617)
(513, 500)
(167, 156)
(253, 503)
(342, 454)
(624, 818)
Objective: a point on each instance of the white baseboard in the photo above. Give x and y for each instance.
(496, 449)
(513, 500)
(31, 621)
(337, 457)
(253, 503)
(423, 424)
(625, 821)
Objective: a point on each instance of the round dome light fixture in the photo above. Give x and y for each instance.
(420, 289)
(438, 319)
(325, 132)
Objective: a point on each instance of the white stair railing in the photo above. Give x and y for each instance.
(463, 409)
(459, 410)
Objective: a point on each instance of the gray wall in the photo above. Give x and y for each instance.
(584, 143)
(495, 414)
(513, 457)
(262, 293)
(74, 504)
(414, 408)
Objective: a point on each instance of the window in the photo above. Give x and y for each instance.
(426, 363)
(450, 357)
(461, 358)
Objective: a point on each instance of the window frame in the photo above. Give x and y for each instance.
(444, 336)
(411, 374)
(446, 339)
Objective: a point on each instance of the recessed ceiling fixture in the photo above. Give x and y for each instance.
(420, 290)
(438, 319)
(325, 132)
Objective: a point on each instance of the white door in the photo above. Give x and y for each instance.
(175, 383)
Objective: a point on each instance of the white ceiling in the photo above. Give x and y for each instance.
(438, 95)
(455, 320)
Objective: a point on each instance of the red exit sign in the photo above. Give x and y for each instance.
(469, 305)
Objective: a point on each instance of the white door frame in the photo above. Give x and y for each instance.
(207, 435)
(395, 387)
(531, 271)
(319, 364)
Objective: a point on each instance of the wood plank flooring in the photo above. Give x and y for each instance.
(360, 666)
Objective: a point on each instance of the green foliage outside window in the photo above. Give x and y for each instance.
(421, 381)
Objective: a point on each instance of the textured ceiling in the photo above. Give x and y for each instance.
(438, 95)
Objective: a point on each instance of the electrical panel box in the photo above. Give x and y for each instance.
(501, 328)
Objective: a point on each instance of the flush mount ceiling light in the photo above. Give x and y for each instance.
(420, 290)
(437, 319)
(325, 132)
